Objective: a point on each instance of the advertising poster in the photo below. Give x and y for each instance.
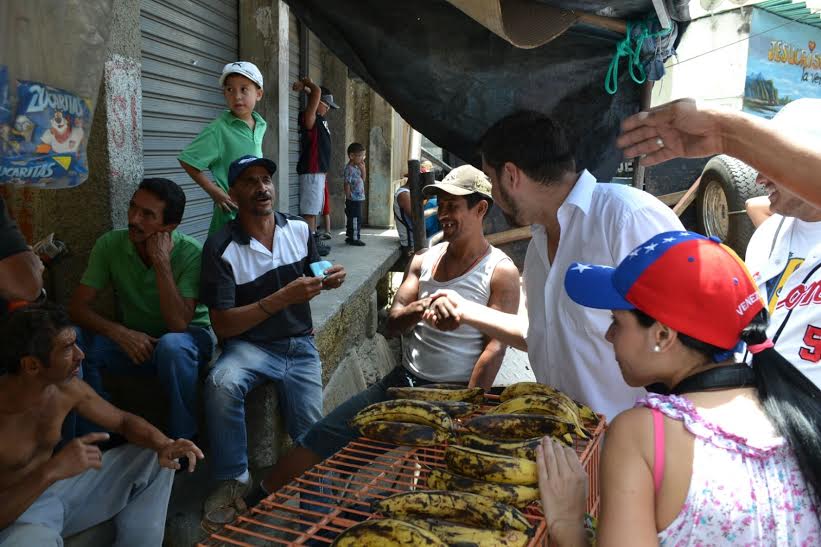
(783, 63)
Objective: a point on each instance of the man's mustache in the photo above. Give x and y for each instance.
(135, 228)
(262, 195)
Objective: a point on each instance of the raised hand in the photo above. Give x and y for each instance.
(679, 129)
(159, 246)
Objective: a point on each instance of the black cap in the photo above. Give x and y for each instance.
(239, 165)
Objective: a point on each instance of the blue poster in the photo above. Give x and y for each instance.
(783, 63)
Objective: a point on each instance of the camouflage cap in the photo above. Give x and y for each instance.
(462, 181)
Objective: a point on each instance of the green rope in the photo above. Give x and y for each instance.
(630, 48)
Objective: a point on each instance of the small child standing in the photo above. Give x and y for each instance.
(354, 176)
(236, 132)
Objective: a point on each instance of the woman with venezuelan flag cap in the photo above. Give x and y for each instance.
(719, 453)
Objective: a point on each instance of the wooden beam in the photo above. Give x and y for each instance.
(687, 198)
(607, 23)
(509, 236)
(671, 199)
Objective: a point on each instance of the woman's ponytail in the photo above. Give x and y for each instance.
(790, 400)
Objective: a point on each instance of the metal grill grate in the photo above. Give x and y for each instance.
(362, 472)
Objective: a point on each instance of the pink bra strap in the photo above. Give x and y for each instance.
(658, 457)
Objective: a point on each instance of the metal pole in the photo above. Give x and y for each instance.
(645, 99)
(417, 213)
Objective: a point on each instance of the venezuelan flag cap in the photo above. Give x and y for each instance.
(689, 282)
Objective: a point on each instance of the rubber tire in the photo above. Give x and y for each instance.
(737, 180)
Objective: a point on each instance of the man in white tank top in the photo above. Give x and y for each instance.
(465, 263)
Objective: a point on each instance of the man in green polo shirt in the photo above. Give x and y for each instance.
(163, 331)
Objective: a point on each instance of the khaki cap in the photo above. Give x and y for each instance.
(462, 181)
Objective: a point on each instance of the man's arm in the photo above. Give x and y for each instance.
(135, 429)
(76, 457)
(405, 203)
(504, 297)
(683, 129)
(176, 311)
(231, 322)
(216, 193)
(137, 345)
(449, 310)
(21, 276)
(21, 272)
(758, 209)
(314, 95)
(407, 310)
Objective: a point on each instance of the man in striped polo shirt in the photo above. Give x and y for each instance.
(257, 283)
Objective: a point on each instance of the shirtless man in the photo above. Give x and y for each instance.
(46, 495)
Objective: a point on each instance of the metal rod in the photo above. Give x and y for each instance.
(417, 212)
(646, 98)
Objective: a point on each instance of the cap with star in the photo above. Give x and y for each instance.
(689, 282)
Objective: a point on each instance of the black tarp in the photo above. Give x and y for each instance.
(450, 77)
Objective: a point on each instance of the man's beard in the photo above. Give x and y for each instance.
(514, 214)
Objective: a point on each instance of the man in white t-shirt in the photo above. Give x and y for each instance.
(784, 256)
(574, 219)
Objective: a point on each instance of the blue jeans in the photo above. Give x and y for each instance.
(176, 363)
(292, 364)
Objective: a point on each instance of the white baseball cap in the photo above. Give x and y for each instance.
(800, 117)
(243, 68)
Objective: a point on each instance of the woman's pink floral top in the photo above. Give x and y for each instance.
(739, 494)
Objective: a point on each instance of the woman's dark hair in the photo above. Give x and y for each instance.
(170, 193)
(474, 199)
(790, 400)
(533, 142)
(30, 331)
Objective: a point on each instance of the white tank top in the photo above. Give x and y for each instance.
(404, 224)
(449, 356)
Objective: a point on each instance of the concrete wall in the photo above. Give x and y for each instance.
(335, 77)
(263, 40)
(380, 150)
(718, 77)
(79, 215)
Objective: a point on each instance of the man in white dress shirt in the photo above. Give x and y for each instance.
(574, 219)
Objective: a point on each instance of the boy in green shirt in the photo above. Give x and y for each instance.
(155, 273)
(236, 132)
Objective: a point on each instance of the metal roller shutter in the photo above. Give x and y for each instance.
(314, 59)
(293, 113)
(185, 44)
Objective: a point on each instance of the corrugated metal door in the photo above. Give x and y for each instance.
(185, 44)
(293, 112)
(314, 59)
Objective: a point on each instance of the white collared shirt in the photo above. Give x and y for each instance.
(600, 224)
